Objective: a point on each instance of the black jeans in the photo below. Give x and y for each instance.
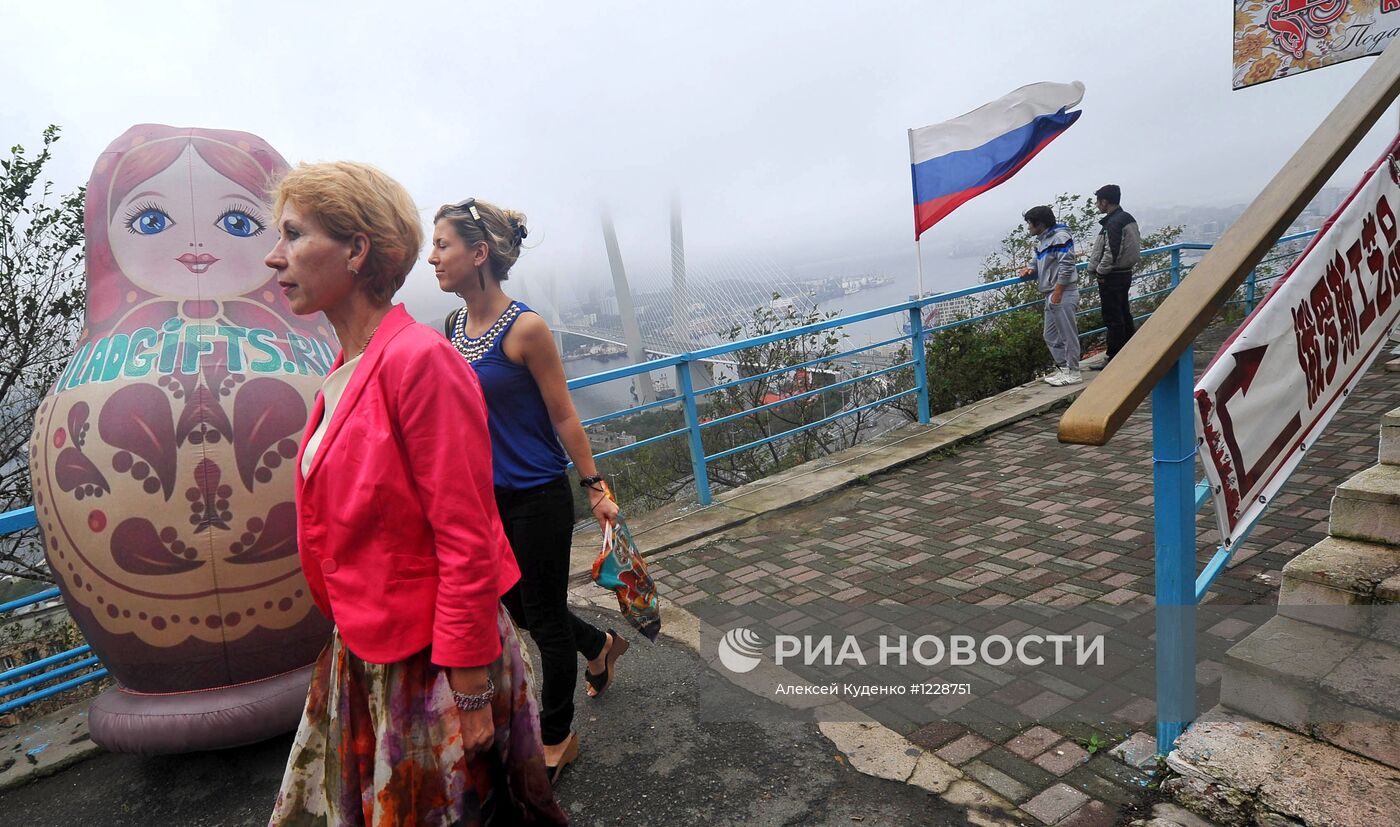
(1117, 315)
(539, 524)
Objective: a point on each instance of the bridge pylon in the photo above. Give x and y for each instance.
(631, 331)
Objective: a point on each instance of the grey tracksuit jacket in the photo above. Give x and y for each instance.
(1054, 259)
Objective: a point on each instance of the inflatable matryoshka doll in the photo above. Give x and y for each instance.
(162, 457)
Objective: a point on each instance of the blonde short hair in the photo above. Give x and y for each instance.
(348, 198)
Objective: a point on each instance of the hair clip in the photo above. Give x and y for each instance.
(469, 205)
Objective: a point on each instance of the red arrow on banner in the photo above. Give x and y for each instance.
(1241, 377)
(1247, 365)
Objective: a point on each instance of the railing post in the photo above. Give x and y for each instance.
(916, 331)
(692, 424)
(1249, 294)
(1174, 518)
(1176, 267)
(17, 520)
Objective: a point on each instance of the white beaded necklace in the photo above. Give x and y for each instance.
(476, 348)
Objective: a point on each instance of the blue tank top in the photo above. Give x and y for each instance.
(525, 450)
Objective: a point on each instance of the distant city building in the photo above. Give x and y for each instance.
(605, 440)
(30, 634)
(950, 311)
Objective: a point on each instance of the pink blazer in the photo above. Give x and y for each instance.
(396, 520)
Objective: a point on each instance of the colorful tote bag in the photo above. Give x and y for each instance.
(620, 568)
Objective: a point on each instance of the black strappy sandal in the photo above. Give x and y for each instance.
(598, 684)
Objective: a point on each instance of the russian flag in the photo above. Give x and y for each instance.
(958, 160)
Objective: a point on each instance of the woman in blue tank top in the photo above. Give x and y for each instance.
(534, 433)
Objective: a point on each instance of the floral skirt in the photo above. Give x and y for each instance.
(380, 745)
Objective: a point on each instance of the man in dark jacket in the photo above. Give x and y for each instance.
(1116, 250)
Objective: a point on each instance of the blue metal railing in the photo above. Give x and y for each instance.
(11, 522)
(18, 520)
(689, 397)
(1177, 497)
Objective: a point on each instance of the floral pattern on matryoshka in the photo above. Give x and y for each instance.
(171, 525)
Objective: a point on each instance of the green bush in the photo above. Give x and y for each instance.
(981, 359)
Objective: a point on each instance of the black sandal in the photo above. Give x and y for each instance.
(598, 684)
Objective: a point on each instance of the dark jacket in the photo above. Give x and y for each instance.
(1118, 246)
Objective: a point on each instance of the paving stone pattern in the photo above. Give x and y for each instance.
(1018, 517)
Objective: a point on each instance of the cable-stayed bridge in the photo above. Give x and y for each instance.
(725, 298)
(693, 309)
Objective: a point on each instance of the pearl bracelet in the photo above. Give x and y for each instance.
(481, 700)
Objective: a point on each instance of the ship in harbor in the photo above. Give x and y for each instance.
(855, 284)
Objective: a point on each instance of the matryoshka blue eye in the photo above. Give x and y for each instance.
(240, 224)
(148, 220)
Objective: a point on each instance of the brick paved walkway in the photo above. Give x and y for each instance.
(1020, 517)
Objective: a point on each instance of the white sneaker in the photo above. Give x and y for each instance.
(1055, 379)
(1071, 377)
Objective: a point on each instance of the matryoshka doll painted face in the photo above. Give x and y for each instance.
(162, 457)
(176, 246)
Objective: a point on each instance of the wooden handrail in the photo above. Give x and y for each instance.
(1110, 399)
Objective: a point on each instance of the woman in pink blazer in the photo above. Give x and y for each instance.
(418, 711)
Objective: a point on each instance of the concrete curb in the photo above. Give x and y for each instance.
(44, 746)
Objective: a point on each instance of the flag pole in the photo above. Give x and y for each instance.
(918, 248)
(919, 256)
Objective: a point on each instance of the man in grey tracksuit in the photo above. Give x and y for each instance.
(1054, 274)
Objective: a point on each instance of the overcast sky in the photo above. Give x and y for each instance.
(781, 126)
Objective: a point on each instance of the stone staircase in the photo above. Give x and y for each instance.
(1308, 727)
